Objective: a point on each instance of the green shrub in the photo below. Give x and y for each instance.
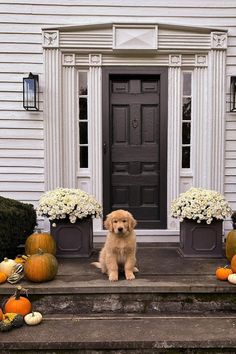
(17, 221)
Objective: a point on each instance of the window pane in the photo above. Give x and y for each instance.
(83, 157)
(186, 157)
(83, 108)
(187, 84)
(186, 133)
(83, 133)
(186, 108)
(83, 90)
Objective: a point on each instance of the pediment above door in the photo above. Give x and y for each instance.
(147, 37)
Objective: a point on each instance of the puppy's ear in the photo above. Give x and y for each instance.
(108, 223)
(132, 222)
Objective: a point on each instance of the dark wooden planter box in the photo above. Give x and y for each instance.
(201, 240)
(73, 240)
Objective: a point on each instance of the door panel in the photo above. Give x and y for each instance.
(132, 170)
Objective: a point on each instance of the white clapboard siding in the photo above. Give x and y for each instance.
(34, 58)
(24, 196)
(26, 177)
(20, 115)
(21, 143)
(21, 132)
(16, 124)
(27, 170)
(19, 186)
(26, 154)
(14, 162)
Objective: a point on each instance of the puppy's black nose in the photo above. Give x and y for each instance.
(120, 229)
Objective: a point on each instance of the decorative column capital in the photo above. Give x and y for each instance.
(201, 60)
(50, 39)
(95, 59)
(68, 59)
(175, 60)
(218, 40)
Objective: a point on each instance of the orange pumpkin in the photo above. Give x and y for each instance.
(233, 263)
(230, 246)
(41, 267)
(44, 241)
(3, 277)
(18, 304)
(1, 314)
(223, 273)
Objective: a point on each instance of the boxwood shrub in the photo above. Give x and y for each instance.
(17, 221)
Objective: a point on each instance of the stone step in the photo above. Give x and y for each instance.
(124, 334)
(166, 283)
(132, 303)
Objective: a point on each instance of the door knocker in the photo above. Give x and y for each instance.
(134, 123)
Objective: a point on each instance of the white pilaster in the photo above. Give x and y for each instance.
(216, 115)
(69, 123)
(201, 131)
(95, 126)
(174, 135)
(53, 118)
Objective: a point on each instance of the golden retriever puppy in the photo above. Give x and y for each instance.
(120, 246)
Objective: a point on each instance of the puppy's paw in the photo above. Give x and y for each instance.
(113, 276)
(129, 275)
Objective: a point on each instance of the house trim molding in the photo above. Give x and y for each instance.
(201, 50)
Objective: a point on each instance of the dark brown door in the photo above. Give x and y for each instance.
(134, 146)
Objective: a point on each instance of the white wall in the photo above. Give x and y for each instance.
(21, 132)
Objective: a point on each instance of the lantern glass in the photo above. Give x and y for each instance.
(31, 92)
(233, 94)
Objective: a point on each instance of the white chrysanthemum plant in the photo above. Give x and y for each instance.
(74, 204)
(200, 205)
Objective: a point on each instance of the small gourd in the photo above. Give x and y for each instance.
(17, 274)
(11, 320)
(1, 314)
(20, 259)
(222, 273)
(6, 266)
(232, 278)
(5, 326)
(14, 278)
(15, 319)
(33, 318)
(3, 277)
(18, 304)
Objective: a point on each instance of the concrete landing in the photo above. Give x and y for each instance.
(162, 269)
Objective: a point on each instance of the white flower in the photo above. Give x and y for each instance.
(61, 203)
(200, 205)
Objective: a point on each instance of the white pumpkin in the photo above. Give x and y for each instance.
(6, 266)
(232, 278)
(33, 318)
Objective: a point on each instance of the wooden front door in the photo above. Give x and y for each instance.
(134, 145)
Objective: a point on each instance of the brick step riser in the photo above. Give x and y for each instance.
(132, 303)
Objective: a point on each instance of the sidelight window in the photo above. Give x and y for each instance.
(83, 118)
(186, 118)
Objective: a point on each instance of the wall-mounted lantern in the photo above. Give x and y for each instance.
(233, 94)
(31, 92)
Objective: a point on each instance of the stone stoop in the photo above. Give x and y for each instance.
(175, 305)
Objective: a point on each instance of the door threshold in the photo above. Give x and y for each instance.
(153, 235)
